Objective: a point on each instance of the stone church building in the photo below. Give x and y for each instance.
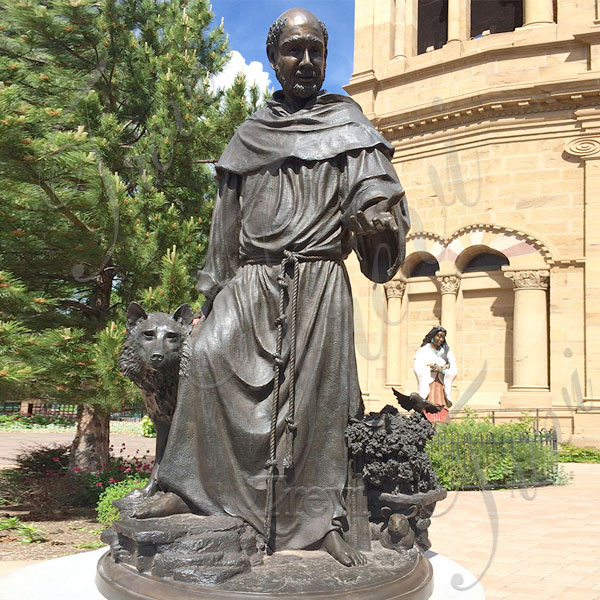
(493, 107)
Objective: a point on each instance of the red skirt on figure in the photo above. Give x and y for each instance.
(438, 397)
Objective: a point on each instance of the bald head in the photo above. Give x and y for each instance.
(297, 51)
(293, 16)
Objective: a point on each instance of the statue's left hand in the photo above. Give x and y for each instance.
(377, 217)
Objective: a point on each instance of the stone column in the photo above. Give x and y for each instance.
(449, 285)
(400, 29)
(587, 149)
(459, 20)
(363, 35)
(384, 21)
(396, 364)
(537, 12)
(454, 20)
(530, 330)
(411, 11)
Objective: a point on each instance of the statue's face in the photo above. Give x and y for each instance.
(438, 339)
(299, 60)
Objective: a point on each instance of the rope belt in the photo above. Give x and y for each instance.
(294, 259)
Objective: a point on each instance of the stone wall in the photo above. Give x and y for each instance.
(497, 141)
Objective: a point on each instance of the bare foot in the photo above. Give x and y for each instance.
(150, 488)
(335, 544)
(163, 505)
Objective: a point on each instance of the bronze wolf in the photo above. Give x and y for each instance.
(151, 357)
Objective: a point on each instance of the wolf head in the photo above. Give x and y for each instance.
(154, 340)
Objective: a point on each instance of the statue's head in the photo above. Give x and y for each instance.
(297, 51)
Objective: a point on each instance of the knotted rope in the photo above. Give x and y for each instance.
(278, 363)
(288, 461)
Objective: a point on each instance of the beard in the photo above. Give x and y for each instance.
(304, 90)
(298, 89)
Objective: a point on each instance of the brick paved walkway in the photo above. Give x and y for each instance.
(540, 544)
(11, 442)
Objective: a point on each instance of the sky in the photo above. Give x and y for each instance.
(247, 23)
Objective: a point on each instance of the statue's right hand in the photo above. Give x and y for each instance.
(373, 219)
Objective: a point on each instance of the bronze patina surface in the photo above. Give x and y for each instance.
(285, 576)
(256, 495)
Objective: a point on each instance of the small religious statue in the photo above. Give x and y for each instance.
(257, 446)
(435, 368)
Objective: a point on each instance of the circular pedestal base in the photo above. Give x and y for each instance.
(285, 576)
(72, 578)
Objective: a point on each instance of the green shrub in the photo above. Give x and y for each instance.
(48, 421)
(147, 427)
(568, 453)
(106, 511)
(475, 453)
(16, 422)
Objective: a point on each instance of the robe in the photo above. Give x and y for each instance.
(289, 182)
(426, 356)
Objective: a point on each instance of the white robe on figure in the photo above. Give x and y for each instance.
(426, 356)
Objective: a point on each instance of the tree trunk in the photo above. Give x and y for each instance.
(89, 450)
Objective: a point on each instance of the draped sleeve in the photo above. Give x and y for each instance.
(370, 177)
(222, 256)
(423, 358)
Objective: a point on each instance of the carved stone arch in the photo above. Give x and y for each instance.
(426, 242)
(472, 252)
(516, 245)
(415, 259)
(519, 247)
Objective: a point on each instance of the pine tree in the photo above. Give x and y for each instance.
(36, 363)
(20, 362)
(107, 122)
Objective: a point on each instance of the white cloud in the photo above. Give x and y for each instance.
(254, 72)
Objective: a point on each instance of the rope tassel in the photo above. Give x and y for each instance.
(288, 462)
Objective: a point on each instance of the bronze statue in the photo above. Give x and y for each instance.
(151, 358)
(272, 382)
(269, 448)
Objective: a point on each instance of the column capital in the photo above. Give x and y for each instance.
(584, 147)
(449, 284)
(533, 279)
(394, 288)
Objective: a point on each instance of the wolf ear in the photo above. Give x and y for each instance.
(135, 313)
(184, 314)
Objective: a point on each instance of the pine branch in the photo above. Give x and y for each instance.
(56, 203)
(80, 306)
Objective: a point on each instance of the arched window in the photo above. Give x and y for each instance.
(495, 16)
(486, 261)
(426, 267)
(432, 24)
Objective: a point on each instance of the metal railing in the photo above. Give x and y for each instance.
(36, 408)
(540, 416)
(132, 415)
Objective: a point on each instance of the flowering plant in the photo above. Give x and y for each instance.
(43, 479)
